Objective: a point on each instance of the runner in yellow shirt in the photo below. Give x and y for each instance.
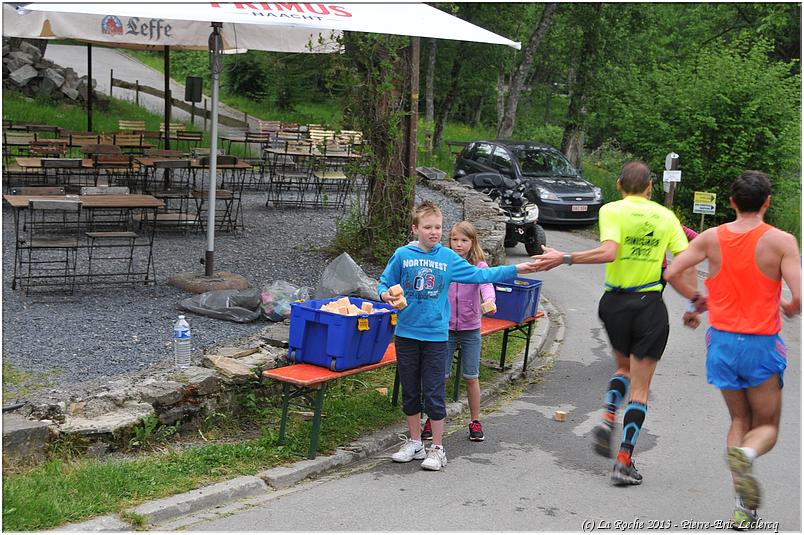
(635, 232)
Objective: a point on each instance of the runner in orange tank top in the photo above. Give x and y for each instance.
(746, 357)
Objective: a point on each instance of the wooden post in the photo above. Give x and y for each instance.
(89, 88)
(111, 81)
(205, 115)
(192, 113)
(137, 92)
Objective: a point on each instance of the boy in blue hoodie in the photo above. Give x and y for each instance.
(425, 269)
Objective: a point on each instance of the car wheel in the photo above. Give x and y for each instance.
(536, 241)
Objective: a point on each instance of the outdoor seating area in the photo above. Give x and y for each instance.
(107, 195)
(61, 241)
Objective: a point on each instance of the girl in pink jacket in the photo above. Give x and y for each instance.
(464, 321)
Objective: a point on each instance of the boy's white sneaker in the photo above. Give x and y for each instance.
(410, 450)
(436, 458)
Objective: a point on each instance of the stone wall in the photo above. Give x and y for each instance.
(25, 69)
(484, 213)
(100, 418)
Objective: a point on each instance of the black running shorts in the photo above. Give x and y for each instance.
(637, 323)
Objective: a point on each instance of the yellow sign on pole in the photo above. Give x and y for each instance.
(704, 203)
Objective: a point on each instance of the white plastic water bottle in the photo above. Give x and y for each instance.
(182, 343)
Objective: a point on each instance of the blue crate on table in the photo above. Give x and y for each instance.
(517, 299)
(336, 341)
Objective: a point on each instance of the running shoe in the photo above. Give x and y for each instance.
(436, 458)
(745, 485)
(743, 518)
(623, 475)
(427, 432)
(408, 452)
(476, 431)
(601, 439)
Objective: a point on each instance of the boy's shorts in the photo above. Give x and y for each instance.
(735, 361)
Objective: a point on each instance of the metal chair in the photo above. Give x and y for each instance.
(79, 139)
(227, 200)
(189, 138)
(69, 172)
(51, 243)
(174, 191)
(108, 229)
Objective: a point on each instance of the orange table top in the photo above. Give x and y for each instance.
(310, 374)
(493, 325)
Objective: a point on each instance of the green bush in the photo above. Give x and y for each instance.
(730, 109)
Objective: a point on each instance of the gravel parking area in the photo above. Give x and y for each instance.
(101, 332)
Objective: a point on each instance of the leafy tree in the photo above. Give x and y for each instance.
(731, 108)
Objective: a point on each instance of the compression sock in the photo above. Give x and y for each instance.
(633, 419)
(618, 388)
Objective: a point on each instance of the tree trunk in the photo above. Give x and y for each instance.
(429, 81)
(506, 126)
(449, 99)
(500, 99)
(381, 99)
(581, 74)
(478, 113)
(572, 144)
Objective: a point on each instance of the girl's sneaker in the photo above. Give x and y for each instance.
(476, 431)
(427, 432)
(436, 458)
(409, 451)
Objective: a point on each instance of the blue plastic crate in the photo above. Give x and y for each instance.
(517, 299)
(336, 341)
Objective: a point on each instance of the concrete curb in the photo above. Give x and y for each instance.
(102, 523)
(191, 502)
(173, 508)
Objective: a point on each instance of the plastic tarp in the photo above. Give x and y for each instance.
(343, 277)
(241, 306)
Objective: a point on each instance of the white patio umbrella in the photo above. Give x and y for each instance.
(286, 27)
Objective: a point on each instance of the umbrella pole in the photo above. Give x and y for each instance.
(215, 46)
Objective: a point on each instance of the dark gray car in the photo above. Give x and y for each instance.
(562, 194)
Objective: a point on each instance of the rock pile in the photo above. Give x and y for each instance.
(25, 69)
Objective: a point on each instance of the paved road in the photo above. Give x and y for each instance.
(535, 474)
(129, 69)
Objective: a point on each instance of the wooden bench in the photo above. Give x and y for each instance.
(493, 325)
(302, 381)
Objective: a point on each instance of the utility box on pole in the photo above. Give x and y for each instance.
(670, 177)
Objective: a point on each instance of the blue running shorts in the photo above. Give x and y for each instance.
(735, 361)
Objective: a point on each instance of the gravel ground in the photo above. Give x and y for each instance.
(101, 332)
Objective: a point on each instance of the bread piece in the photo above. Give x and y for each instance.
(395, 291)
(367, 307)
(488, 307)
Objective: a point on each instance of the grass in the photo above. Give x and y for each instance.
(72, 489)
(327, 113)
